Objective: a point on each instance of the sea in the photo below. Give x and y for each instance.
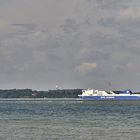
(69, 119)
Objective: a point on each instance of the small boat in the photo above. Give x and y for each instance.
(92, 94)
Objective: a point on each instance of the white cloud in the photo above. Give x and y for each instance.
(86, 67)
(130, 13)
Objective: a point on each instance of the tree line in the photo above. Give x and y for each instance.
(29, 93)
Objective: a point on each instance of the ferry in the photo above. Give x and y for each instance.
(92, 94)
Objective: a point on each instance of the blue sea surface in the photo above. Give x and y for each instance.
(69, 120)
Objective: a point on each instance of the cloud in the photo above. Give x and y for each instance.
(80, 43)
(130, 13)
(85, 67)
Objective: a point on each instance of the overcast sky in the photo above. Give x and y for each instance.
(70, 43)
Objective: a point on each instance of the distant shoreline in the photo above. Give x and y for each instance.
(41, 95)
(40, 99)
(29, 93)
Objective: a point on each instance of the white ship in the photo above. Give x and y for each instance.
(92, 94)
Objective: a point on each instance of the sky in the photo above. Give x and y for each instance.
(70, 43)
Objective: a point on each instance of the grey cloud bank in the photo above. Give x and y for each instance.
(70, 43)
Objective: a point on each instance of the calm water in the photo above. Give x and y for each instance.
(69, 120)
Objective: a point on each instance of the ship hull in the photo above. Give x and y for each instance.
(131, 97)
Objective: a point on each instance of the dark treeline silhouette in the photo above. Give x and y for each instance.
(29, 93)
